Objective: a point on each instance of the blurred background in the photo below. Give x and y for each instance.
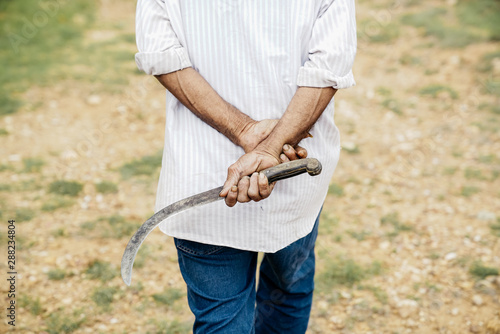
(410, 232)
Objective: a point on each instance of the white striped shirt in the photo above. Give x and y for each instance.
(254, 53)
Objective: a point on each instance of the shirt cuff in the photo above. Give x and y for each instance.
(316, 77)
(157, 63)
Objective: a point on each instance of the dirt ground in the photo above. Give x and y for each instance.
(416, 194)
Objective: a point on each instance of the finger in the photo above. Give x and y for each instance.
(233, 176)
(264, 187)
(253, 189)
(301, 152)
(290, 152)
(284, 158)
(243, 190)
(232, 196)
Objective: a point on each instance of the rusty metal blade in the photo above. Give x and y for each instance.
(155, 220)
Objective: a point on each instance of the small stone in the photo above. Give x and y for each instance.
(339, 322)
(345, 295)
(322, 304)
(349, 145)
(474, 329)
(407, 307)
(122, 109)
(486, 216)
(94, 100)
(113, 321)
(450, 256)
(455, 311)
(411, 323)
(384, 245)
(477, 300)
(14, 157)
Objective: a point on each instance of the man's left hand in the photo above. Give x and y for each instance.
(244, 183)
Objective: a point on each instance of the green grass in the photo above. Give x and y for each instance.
(101, 270)
(43, 44)
(444, 26)
(398, 226)
(3, 132)
(468, 191)
(59, 232)
(487, 159)
(34, 306)
(59, 322)
(171, 327)
(336, 190)
(88, 225)
(24, 214)
(495, 228)
(471, 173)
(345, 271)
(56, 274)
(408, 59)
(35, 42)
(67, 188)
(359, 236)
(5, 187)
(436, 89)
(32, 165)
(168, 296)
(57, 202)
(147, 165)
(393, 105)
(480, 271)
(486, 62)
(450, 170)
(114, 226)
(378, 293)
(106, 187)
(491, 86)
(118, 227)
(103, 297)
(384, 91)
(483, 15)
(373, 31)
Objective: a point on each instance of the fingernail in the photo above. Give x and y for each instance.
(261, 176)
(282, 157)
(286, 147)
(234, 189)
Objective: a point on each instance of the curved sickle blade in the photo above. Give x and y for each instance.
(155, 220)
(279, 172)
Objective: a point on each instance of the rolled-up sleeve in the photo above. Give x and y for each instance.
(160, 51)
(332, 47)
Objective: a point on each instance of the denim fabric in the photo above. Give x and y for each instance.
(221, 287)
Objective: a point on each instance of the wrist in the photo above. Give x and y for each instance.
(271, 147)
(245, 139)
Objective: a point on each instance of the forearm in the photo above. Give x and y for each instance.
(193, 91)
(304, 109)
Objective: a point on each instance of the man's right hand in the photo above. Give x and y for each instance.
(256, 131)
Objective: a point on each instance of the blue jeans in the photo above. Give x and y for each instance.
(221, 287)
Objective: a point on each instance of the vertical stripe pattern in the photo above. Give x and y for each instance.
(254, 53)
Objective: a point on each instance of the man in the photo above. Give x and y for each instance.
(246, 81)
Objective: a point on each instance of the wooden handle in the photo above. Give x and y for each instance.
(293, 168)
